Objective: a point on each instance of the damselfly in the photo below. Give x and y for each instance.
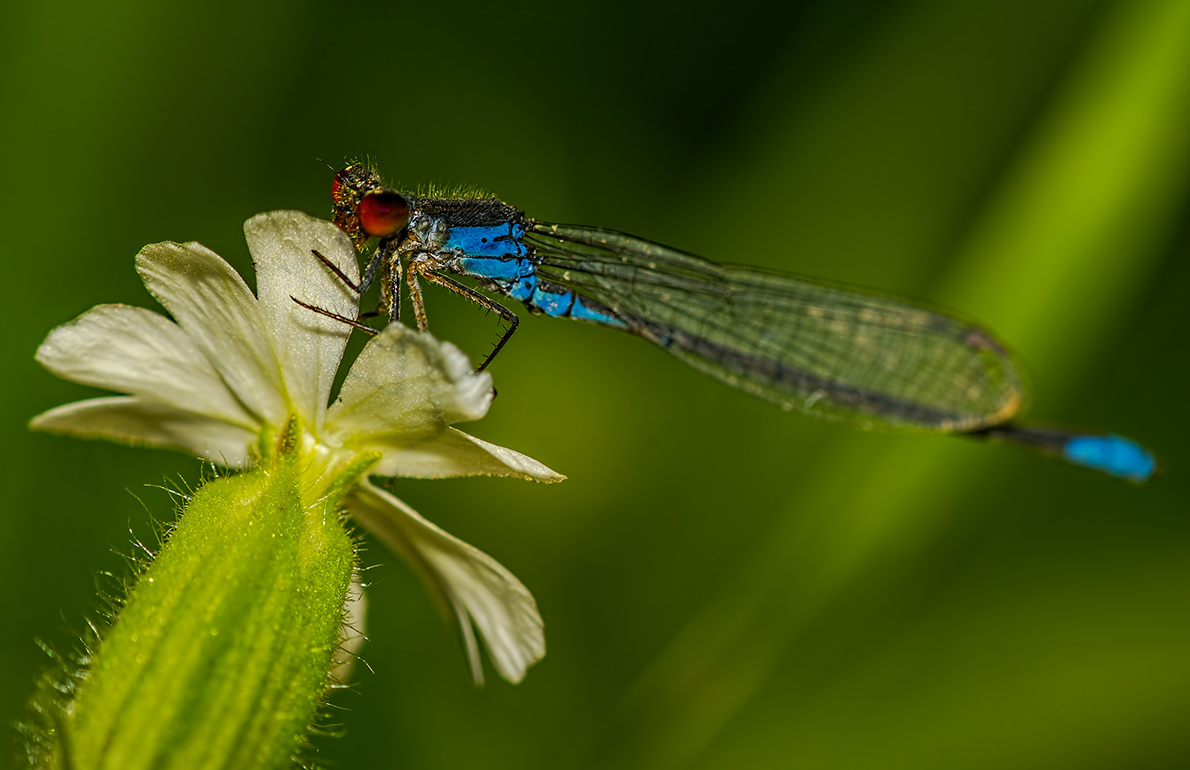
(827, 350)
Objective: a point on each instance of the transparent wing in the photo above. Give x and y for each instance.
(829, 350)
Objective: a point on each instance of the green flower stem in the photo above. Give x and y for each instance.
(220, 655)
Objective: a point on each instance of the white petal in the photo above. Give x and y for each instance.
(133, 350)
(400, 397)
(212, 304)
(408, 383)
(351, 633)
(137, 421)
(309, 345)
(472, 586)
(452, 453)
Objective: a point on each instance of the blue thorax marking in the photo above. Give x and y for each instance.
(502, 271)
(502, 240)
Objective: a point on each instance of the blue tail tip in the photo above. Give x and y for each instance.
(1114, 455)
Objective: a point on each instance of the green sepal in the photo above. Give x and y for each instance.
(220, 655)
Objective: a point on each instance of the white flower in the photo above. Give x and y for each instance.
(231, 365)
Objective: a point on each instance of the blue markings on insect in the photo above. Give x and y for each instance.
(522, 290)
(518, 279)
(552, 303)
(1113, 455)
(495, 241)
(581, 311)
(484, 254)
(503, 271)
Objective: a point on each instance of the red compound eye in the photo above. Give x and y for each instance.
(383, 214)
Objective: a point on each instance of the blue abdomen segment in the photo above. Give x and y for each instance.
(553, 301)
(518, 279)
(560, 302)
(494, 241)
(1113, 455)
(584, 309)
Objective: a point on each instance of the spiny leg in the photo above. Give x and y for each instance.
(358, 289)
(480, 300)
(379, 257)
(385, 255)
(352, 322)
(374, 263)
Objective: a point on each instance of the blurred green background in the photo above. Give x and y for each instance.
(723, 585)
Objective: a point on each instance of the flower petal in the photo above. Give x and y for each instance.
(133, 350)
(216, 309)
(400, 397)
(309, 345)
(452, 453)
(141, 422)
(472, 586)
(408, 383)
(351, 634)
